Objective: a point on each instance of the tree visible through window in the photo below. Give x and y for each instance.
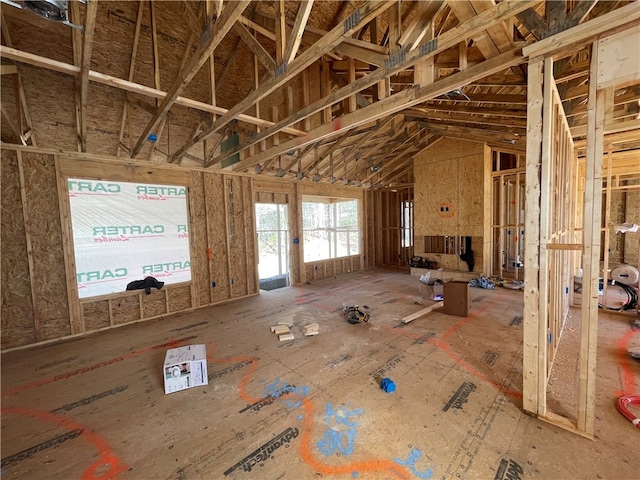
(330, 229)
(273, 239)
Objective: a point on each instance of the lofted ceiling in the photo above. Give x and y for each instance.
(324, 91)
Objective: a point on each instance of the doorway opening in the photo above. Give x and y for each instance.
(272, 228)
(507, 225)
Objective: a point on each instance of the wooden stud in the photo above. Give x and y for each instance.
(591, 253)
(256, 47)
(37, 316)
(309, 56)
(532, 349)
(218, 31)
(132, 62)
(76, 319)
(543, 235)
(390, 105)
(306, 99)
(225, 204)
(280, 31)
(304, 10)
(154, 46)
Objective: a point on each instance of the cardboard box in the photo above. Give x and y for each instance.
(433, 292)
(456, 299)
(185, 367)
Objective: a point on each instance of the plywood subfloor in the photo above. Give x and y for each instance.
(311, 408)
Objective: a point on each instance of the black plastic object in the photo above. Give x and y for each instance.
(354, 315)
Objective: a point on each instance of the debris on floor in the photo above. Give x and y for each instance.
(420, 313)
(280, 329)
(185, 367)
(311, 329)
(286, 337)
(483, 282)
(354, 315)
(634, 352)
(387, 385)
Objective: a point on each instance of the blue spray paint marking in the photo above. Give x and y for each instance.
(414, 456)
(335, 438)
(299, 417)
(274, 390)
(354, 474)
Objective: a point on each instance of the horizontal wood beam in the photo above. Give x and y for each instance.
(609, 128)
(215, 34)
(97, 77)
(483, 111)
(505, 99)
(585, 32)
(358, 18)
(447, 40)
(390, 105)
(85, 66)
(8, 69)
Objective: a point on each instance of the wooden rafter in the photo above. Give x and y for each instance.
(115, 82)
(85, 66)
(393, 104)
(21, 98)
(218, 31)
(132, 63)
(446, 40)
(280, 30)
(318, 161)
(401, 138)
(256, 47)
(298, 29)
(361, 17)
(417, 29)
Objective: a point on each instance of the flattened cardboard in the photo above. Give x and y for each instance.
(185, 367)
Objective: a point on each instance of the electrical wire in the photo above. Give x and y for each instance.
(623, 402)
(632, 297)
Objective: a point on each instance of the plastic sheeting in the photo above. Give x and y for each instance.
(128, 231)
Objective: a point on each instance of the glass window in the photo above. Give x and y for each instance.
(273, 239)
(330, 229)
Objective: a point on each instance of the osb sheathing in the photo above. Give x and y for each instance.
(218, 260)
(17, 307)
(43, 229)
(449, 196)
(153, 305)
(198, 240)
(234, 187)
(96, 315)
(45, 232)
(51, 98)
(179, 298)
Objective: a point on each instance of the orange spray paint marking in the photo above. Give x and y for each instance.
(325, 469)
(95, 366)
(628, 377)
(305, 446)
(107, 457)
(473, 371)
(442, 346)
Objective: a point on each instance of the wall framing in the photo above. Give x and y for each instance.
(553, 233)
